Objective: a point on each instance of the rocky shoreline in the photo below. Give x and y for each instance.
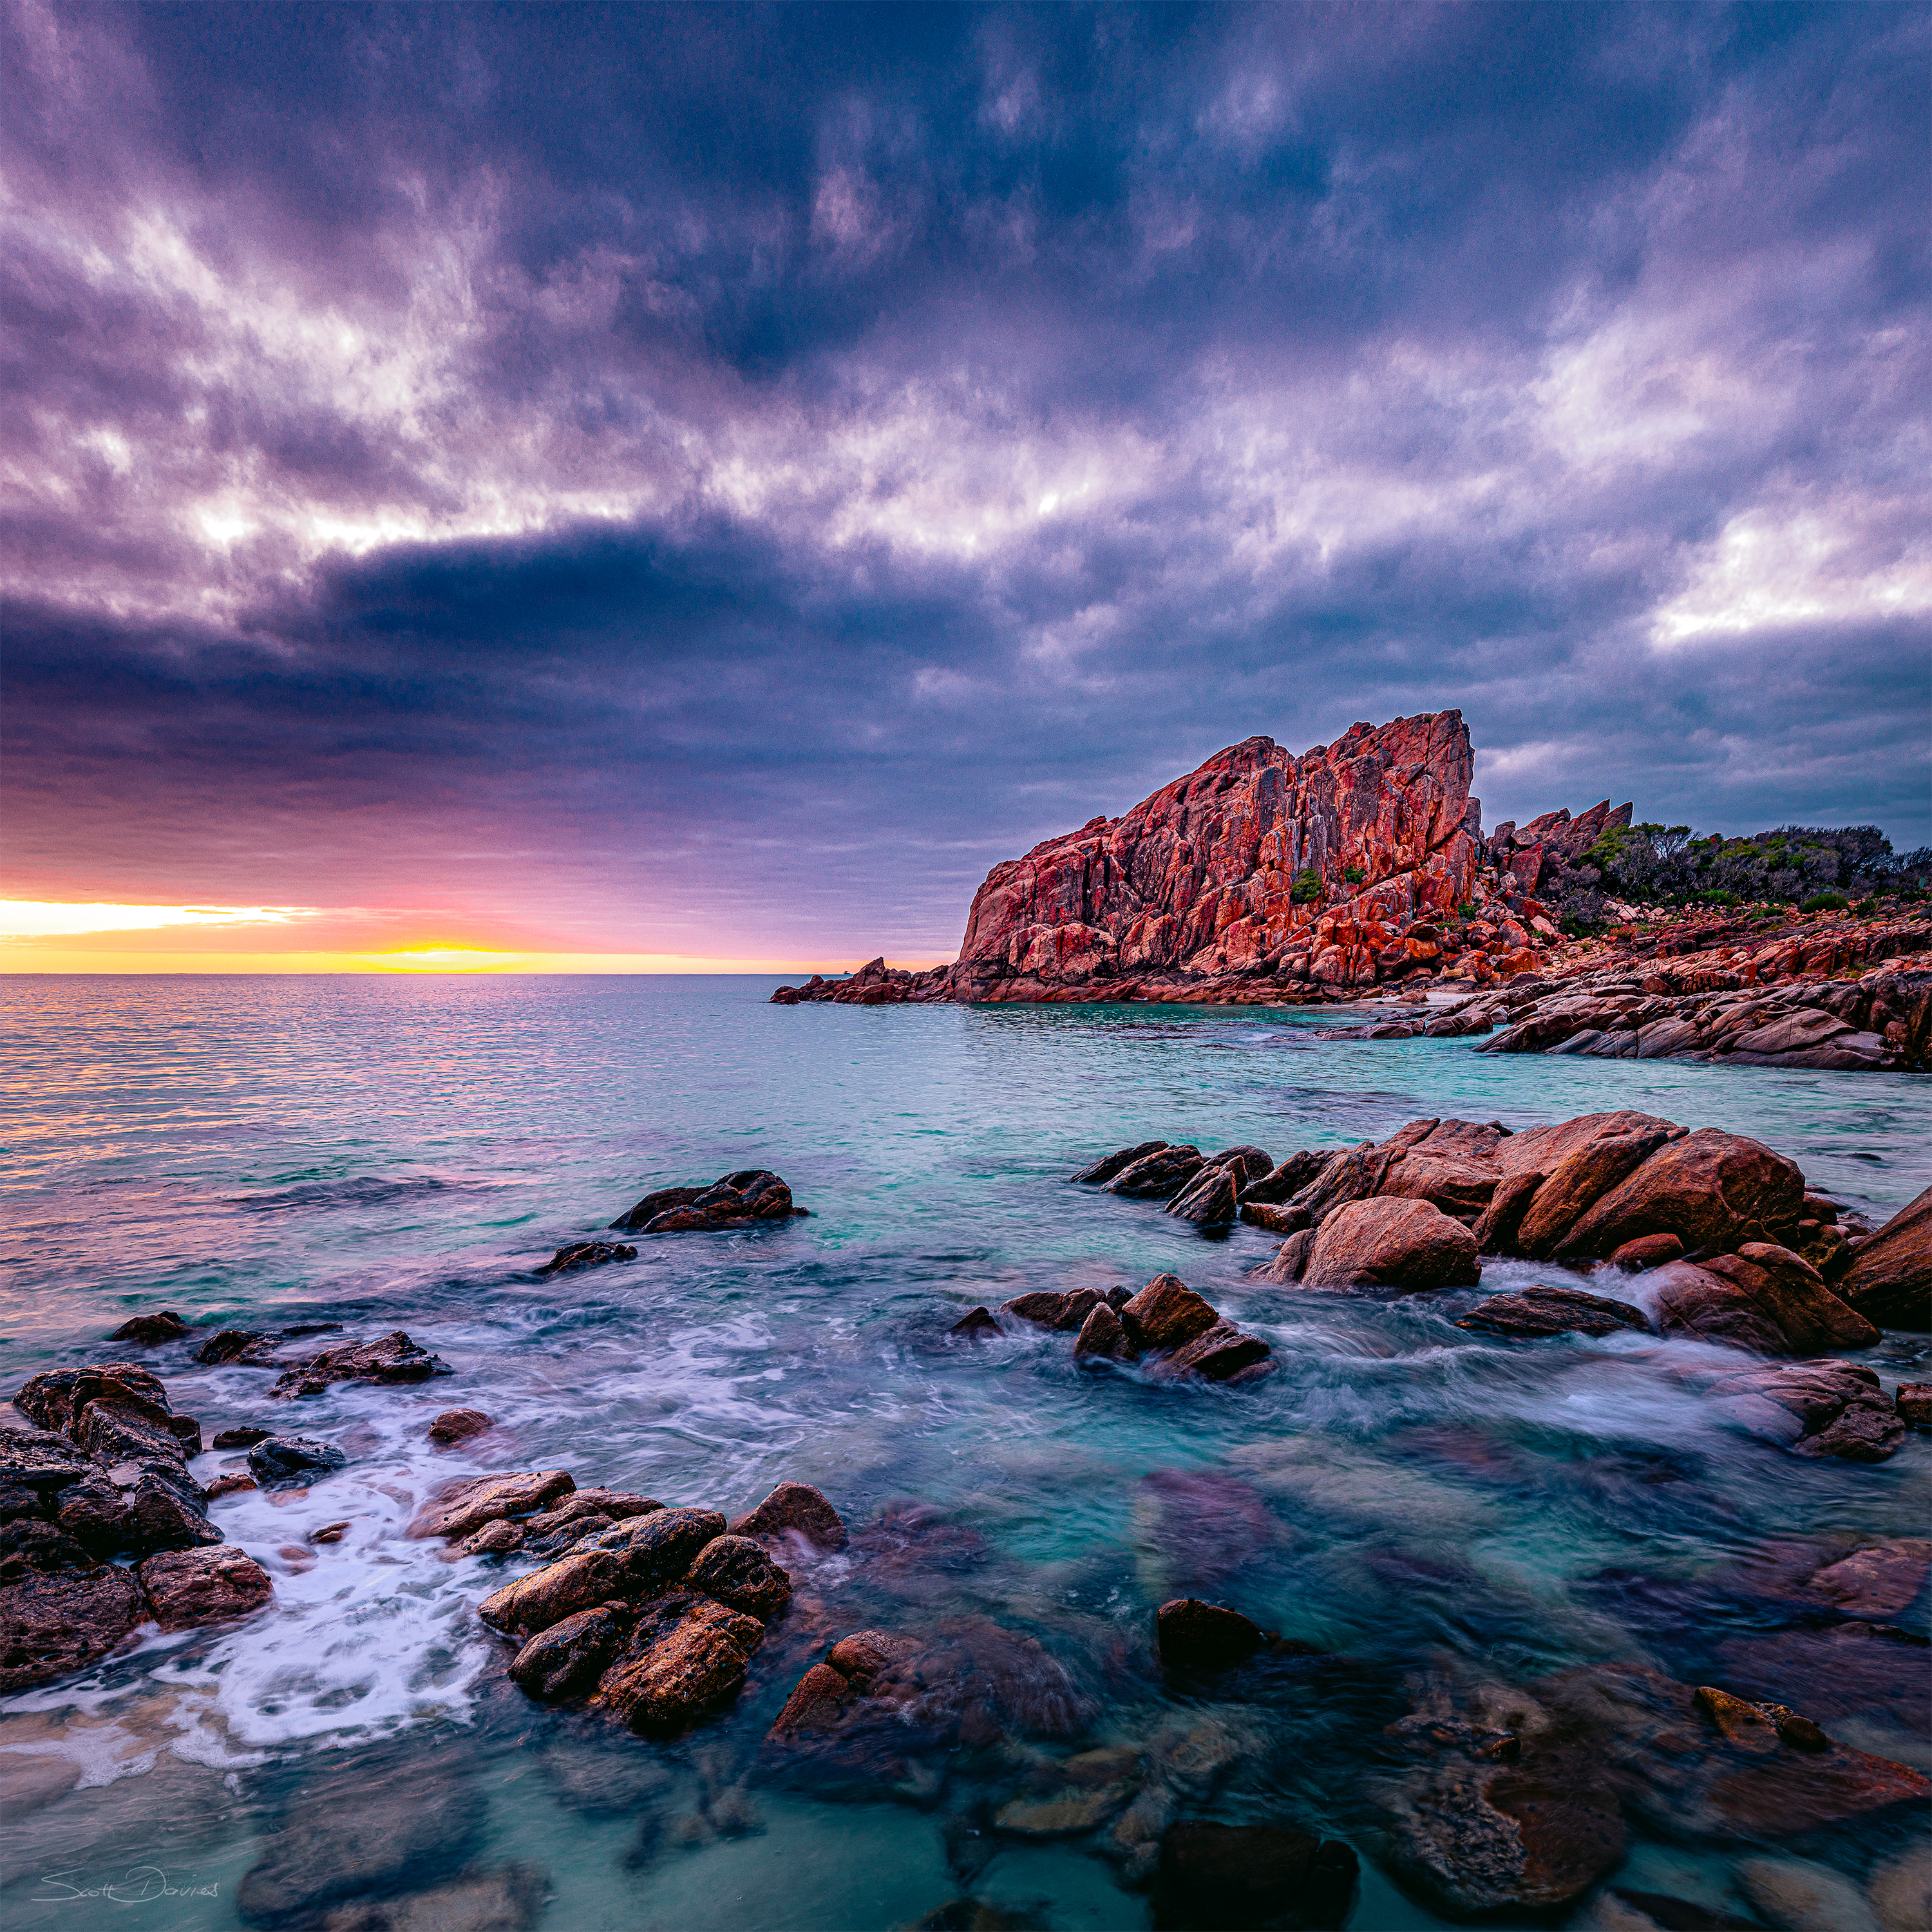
(651, 1621)
(1262, 879)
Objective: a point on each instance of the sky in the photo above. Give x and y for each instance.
(691, 488)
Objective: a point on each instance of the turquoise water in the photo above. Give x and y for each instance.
(403, 1153)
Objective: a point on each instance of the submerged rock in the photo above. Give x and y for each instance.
(239, 1438)
(150, 1331)
(975, 1324)
(234, 1344)
(1195, 1635)
(454, 1426)
(587, 1254)
(1213, 1878)
(51, 1625)
(501, 1898)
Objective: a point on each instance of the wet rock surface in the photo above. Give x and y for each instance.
(739, 1200)
(392, 1360)
(190, 1587)
(1542, 1311)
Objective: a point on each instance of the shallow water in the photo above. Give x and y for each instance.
(402, 1152)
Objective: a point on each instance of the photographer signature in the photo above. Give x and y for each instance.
(139, 1884)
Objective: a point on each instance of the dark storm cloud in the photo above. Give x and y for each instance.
(765, 465)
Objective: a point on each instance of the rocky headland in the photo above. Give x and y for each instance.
(1265, 878)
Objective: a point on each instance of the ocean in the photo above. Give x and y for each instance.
(1415, 1504)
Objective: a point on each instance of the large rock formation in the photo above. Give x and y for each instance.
(1201, 879)
(1310, 870)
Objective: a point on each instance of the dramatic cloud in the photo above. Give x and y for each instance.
(711, 480)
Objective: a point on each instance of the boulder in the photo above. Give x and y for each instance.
(544, 1597)
(1890, 1279)
(393, 1359)
(1577, 1182)
(1792, 1294)
(469, 1505)
(1647, 1251)
(189, 1588)
(1712, 1188)
(685, 1656)
(1166, 1315)
(796, 1507)
(739, 1200)
(452, 1426)
(502, 1898)
(817, 1703)
(975, 1324)
(58, 1399)
(566, 1658)
(1461, 1188)
(30, 1546)
(1691, 1300)
(1543, 1150)
(1915, 1404)
(658, 1547)
(737, 1572)
(1409, 1246)
(1063, 1313)
(40, 1460)
(1109, 1165)
(150, 1331)
(1103, 1338)
(1281, 1183)
(1208, 1200)
(233, 1345)
(1198, 1636)
(1213, 1877)
(282, 1462)
(1814, 1409)
(1277, 1220)
(1157, 1177)
(1217, 1354)
(1496, 1225)
(576, 1254)
(53, 1624)
(1533, 1835)
(239, 1438)
(1533, 1313)
(497, 1539)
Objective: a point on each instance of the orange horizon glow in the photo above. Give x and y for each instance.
(55, 937)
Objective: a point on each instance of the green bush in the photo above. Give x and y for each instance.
(1306, 890)
(1467, 910)
(1354, 875)
(1825, 902)
(1571, 927)
(1718, 898)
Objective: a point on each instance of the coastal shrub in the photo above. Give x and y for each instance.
(1467, 910)
(1354, 875)
(1825, 902)
(1666, 864)
(1306, 888)
(1572, 927)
